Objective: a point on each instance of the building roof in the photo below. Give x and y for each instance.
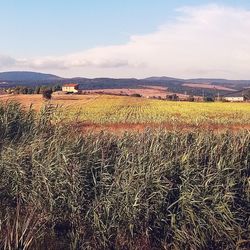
(70, 85)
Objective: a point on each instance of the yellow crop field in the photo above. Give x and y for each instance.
(108, 110)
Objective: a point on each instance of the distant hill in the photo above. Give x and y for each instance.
(162, 78)
(20, 76)
(174, 85)
(219, 81)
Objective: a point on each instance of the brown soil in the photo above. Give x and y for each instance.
(120, 128)
(145, 92)
(37, 101)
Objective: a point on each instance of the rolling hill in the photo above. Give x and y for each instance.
(20, 76)
(199, 86)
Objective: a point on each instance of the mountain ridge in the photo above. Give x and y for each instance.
(174, 85)
(26, 76)
(33, 75)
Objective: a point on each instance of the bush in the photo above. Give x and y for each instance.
(173, 97)
(191, 98)
(208, 99)
(136, 95)
(47, 94)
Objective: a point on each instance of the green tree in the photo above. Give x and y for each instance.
(37, 90)
(56, 88)
(47, 94)
(191, 98)
(247, 94)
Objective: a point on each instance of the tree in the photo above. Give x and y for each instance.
(47, 94)
(24, 90)
(208, 99)
(173, 97)
(30, 91)
(37, 90)
(191, 98)
(56, 88)
(247, 94)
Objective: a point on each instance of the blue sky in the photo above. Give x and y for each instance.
(51, 27)
(33, 30)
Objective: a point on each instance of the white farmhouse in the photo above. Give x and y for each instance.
(70, 88)
(234, 98)
(237, 96)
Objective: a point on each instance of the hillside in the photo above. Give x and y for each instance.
(20, 76)
(198, 87)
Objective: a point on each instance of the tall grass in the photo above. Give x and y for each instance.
(156, 190)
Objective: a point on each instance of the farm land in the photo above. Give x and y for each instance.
(181, 183)
(116, 113)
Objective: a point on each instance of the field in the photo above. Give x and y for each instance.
(125, 113)
(152, 190)
(145, 91)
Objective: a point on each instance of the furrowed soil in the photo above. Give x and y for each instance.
(95, 113)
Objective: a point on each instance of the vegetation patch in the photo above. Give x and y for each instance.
(154, 190)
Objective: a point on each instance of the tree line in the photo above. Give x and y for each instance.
(32, 90)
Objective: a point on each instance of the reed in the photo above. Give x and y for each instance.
(154, 190)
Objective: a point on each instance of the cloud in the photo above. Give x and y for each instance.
(76, 61)
(203, 41)
(6, 61)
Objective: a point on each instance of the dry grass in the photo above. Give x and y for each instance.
(37, 101)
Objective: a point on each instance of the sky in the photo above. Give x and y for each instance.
(126, 38)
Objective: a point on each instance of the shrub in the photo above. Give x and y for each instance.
(208, 99)
(136, 95)
(47, 94)
(173, 97)
(191, 98)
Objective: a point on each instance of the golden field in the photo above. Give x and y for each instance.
(130, 112)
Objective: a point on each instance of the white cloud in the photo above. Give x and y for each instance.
(6, 61)
(205, 41)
